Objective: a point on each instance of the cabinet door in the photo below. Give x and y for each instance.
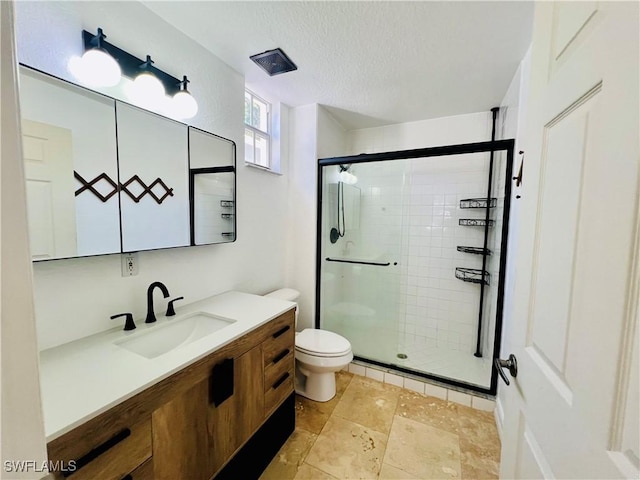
(181, 441)
(234, 420)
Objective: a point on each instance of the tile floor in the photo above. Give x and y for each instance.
(373, 430)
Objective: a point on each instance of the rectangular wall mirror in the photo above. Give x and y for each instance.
(106, 177)
(70, 152)
(212, 180)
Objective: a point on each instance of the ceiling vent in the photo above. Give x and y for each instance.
(274, 62)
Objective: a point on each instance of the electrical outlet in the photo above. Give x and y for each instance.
(129, 264)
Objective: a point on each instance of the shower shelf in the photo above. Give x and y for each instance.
(226, 216)
(226, 203)
(474, 222)
(474, 250)
(472, 275)
(478, 203)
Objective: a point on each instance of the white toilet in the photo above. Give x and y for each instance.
(319, 354)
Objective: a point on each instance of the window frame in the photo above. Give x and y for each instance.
(259, 132)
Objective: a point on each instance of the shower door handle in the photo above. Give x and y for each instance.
(510, 363)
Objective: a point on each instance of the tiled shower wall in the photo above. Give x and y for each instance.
(418, 206)
(440, 310)
(410, 210)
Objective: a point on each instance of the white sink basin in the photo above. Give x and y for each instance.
(159, 339)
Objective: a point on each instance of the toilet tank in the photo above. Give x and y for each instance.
(288, 294)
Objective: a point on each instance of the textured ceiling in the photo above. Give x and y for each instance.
(370, 63)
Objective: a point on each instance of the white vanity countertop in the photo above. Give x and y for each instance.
(81, 379)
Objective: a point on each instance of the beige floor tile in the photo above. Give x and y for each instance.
(289, 458)
(422, 450)
(369, 403)
(387, 472)
(478, 433)
(312, 416)
(471, 473)
(343, 379)
(307, 472)
(429, 410)
(348, 450)
(479, 444)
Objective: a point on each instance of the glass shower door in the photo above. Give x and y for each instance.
(359, 262)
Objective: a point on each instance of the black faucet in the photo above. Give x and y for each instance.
(151, 316)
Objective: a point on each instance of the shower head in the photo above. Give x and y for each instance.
(345, 177)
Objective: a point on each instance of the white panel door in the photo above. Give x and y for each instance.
(48, 162)
(572, 411)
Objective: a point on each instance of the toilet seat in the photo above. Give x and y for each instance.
(322, 343)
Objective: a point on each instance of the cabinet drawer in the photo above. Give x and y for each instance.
(281, 337)
(278, 390)
(143, 472)
(277, 367)
(113, 458)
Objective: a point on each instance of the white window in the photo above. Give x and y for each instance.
(257, 131)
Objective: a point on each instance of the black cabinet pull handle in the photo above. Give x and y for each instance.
(99, 450)
(281, 380)
(222, 382)
(281, 331)
(127, 477)
(281, 355)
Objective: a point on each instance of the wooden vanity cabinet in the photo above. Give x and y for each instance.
(192, 423)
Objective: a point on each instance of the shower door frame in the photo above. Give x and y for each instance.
(446, 150)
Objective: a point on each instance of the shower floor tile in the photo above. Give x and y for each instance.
(427, 438)
(454, 364)
(458, 365)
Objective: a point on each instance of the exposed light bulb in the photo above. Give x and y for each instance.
(147, 91)
(184, 105)
(96, 68)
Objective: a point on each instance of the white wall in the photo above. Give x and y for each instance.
(313, 133)
(302, 215)
(22, 427)
(512, 124)
(75, 298)
(473, 127)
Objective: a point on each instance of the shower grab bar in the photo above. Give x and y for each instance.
(357, 262)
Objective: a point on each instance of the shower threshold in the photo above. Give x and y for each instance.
(405, 368)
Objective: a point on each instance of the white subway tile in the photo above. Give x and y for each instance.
(415, 385)
(357, 369)
(374, 374)
(392, 379)
(436, 391)
(459, 397)
(480, 403)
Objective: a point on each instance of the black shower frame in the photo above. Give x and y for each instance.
(447, 150)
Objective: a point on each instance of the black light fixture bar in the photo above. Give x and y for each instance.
(130, 64)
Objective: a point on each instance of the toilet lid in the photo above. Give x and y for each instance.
(322, 343)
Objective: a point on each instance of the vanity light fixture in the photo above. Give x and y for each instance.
(151, 87)
(96, 67)
(183, 103)
(147, 90)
